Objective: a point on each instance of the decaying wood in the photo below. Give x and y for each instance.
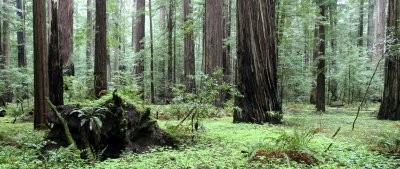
(123, 128)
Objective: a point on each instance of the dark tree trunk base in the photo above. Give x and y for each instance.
(124, 128)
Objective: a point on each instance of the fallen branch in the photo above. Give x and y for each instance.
(334, 135)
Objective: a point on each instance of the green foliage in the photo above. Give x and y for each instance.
(387, 142)
(91, 119)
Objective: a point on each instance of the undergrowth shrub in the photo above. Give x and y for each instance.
(290, 146)
(387, 142)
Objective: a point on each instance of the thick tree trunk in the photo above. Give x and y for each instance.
(170, 52)
(390, 107)
(21, 34)
(320, 96)
(257, 62)
(380, 30)
(214, 34)
(371, 28)
(101, 57)
(40, 63)
(65, 34)
(152, 99)
(189, 56)
(56, 83)
(139, 43)
(90, 36)
(117, 46)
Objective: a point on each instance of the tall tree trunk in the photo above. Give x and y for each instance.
(189, 57)
(56, 83)
(380, 30)
(214, 34)
(90, 36)
(101, 57)
(333, 19)
(162, 54)
(390, 107)
(257, 62)
(371, 28)
(133, 25)
(40, 63)
(152, 99)
(320, 96)
(139, 43)
(6, 37)
(170, 68)
(21, 34)
(65, 34)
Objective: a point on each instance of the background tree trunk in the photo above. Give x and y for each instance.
(390, 107)
(320, 96)
(152, 99)
(189, 55)
(56, 82)
(139, 43)
(40, 63)
(361, 24)
(214, 34)
(371, 28)
(257, 62)
(21, 34)
(170, 68)
(65, 34)
(380, 30)
(101, 57)
(90, 36)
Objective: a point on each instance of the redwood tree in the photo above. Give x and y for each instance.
(320, 95)
(40, 63)
(257, 62)
(213, 35)
(101, 57)
(21, 34)
(56, 83)
(65, 35)
(390, 107)
(139, 42)
(90, 34)
(189, 57)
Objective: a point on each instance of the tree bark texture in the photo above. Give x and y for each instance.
(65, 35)
(189, 55)
(55, 66)
(170, 52)
(101, 57)
(257, 62)
(40, 63)
(214, 34)
(390, 107)
(371, 27)
(320, 96)
(380, 30)
(152, 98)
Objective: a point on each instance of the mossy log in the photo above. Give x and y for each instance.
(123, 128)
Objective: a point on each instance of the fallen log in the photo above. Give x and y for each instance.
(122, 127)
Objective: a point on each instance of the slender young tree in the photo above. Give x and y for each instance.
(40, 63)
(21, 34)
(189, 57)
(101, 57)
(139, 43)
(257, 62)
(361, 24)
(55, 66)
(65, 35)
(152, 99)
(390, 107)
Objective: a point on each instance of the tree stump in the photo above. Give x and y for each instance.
(123, 128)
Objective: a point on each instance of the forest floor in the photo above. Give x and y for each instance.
(220, 144)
